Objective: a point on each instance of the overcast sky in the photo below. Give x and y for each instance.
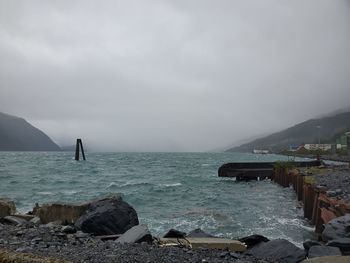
(172, 75)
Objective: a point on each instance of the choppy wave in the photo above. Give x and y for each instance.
(112, 185)
(168, 190)
(45, 193)
(135, 184)
(70, 192)
(171, 185)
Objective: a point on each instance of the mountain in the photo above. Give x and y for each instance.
(331, 127)
(16, 134)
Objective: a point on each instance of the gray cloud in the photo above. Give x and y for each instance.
(172, 75)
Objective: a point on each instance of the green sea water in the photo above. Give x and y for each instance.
(168, 190)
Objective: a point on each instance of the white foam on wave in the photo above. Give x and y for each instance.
(171, 185)
(45, 193)
(308, 228)
(112, 185)
(287, 221)
(69, 192)
(134, 183)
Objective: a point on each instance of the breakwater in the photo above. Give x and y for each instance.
(320, 203)
(245, 171)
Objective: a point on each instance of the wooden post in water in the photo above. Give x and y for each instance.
(79, 146)
(82, 149)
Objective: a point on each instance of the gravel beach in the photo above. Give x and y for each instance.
(80, 247)
(337, 183)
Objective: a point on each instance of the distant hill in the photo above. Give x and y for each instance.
(16, 134)
(306, 132)
(68, 148)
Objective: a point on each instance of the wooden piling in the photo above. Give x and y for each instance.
(79, 146)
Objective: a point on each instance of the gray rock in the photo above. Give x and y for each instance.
(136, 234)
(224, 254)
(24, 249)
(253, 240)
(235, 255)
(68, 229)
(108, 216)
(321, 251)
(36, 220)
(339, 191)
(36, 240)
(53, 224)
(198, 233)
(81, 235)
(14, 220)
(337, 228)
(342, 243)
(19, 233)
(173, 233)
(331, 193)
(280, 250)
(310, 243)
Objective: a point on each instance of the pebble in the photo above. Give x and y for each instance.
(36, 240)
(234, 255)
(24, 249)
(80, 234)
(69, 229)
(224, 254)
(19, 233)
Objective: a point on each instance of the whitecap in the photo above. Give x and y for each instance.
(308, 228)
(112, 185)
(287, 221)
(171, 185)
(44, 193)
(69, 192)
(134, 184)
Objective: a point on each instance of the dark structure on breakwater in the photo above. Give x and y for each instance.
(256, 170)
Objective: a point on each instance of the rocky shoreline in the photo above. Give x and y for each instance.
(80, 247)
(72, 233)
(108, 230)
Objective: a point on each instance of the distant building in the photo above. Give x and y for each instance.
(343, 142)
(294, 148)
(316, 146)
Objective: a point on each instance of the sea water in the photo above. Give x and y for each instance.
(168, 190)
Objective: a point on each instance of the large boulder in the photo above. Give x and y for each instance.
(253, 240)
(107, 216)
(7, 208)
(321, 251)
(342, 243)
(280, 250)
(310, 243)
(14, 220)
(173, 233)
(65, 213)
(136, 234)
(337, 228)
